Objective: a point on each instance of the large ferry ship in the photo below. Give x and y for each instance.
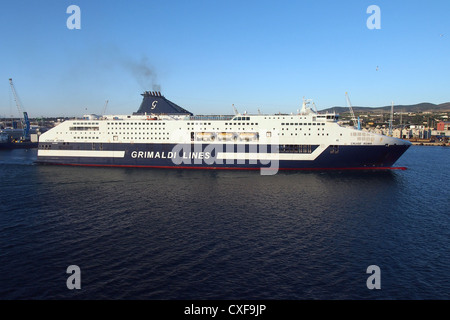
(162, 134)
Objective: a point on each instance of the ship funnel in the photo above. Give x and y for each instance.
(152, 93)
(155, 103)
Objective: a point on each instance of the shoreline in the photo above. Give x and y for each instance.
(432, 144)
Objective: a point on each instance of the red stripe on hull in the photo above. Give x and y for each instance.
(227, 168)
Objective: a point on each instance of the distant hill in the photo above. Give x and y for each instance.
(420, 107)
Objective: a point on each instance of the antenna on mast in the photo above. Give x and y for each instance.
(305, 109)
(104, 108)
(236, 112)
(352, 114)
(401, 125)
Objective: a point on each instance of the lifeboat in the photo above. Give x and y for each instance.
(205, 136)
(248, 136)
(225, 136)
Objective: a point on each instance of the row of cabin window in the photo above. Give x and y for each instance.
(85, 132)
(302, 124)
(123, 138)
(136, 123)
(367, 138)
(305, 134)
(126, 128)
(83, 128)
(287, 129)
(88, 137)
(239, 123)
(189, 123)
(294, 148)
(283, 118)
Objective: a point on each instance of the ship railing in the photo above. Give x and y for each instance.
(207, 117)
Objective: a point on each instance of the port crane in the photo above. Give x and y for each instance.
(352, 114)
(23, 114)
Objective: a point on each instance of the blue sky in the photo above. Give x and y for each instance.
(208, 55)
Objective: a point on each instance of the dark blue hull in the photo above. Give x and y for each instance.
(211, 156)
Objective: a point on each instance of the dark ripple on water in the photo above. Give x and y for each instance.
(180, 234)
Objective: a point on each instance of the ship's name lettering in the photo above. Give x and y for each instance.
(169, 155)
